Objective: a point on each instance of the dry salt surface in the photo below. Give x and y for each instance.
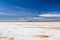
(29, 30)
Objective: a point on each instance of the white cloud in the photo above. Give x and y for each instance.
(50, 15)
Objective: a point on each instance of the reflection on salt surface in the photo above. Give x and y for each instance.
(29, 31)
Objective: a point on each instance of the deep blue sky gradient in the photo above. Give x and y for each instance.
(42, 5)
(28, 8)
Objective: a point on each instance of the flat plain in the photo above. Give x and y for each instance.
(29, 30)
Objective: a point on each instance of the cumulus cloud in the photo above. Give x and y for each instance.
(50, 15)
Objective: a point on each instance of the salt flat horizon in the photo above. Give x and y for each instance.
(29, 20)
(29, 30)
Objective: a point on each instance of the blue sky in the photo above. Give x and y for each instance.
(30, 9)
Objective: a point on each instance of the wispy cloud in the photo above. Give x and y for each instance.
(27, 14)
(50, 15)
(18, 12)
(7, 14)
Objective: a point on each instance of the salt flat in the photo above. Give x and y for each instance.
(29, 30)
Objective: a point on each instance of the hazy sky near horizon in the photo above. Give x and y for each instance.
(30, 9)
